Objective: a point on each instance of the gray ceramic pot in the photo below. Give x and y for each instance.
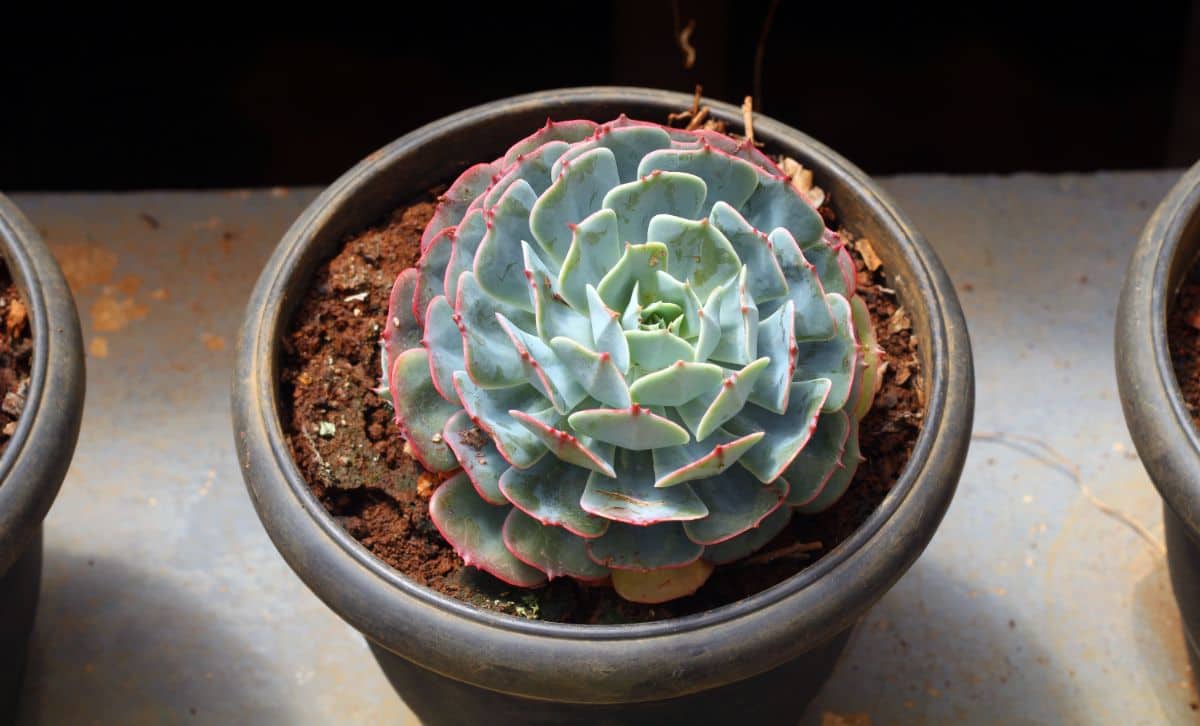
(759, 660)
(1158, 420)
(36, 459)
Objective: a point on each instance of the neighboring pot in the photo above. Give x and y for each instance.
(1166, 439)
(36, 459)
(758, 660)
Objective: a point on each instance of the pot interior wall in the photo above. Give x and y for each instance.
(1185, 256)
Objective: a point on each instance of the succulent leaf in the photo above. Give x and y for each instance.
(488, 352)
(784, 435)
(634, 428)
(544, 369)
(596, 372)
(607, 333)
(580, 451)
(676, 384)
(458, 198)
(698, 253)
(832, 359)
(431, 274)
(654, 547)
(635, 203)
(402, 330)
(736, 502)
(443, 342)
(475, 529)
(739, 323)
(868, 376)
(827, 263)
(499, 262)
(729, 400)
(658, 586)
(554, 131)
(814, 319)
(750, 541)
(550, 491)
(666, 316)
(489, 410)
(635, 268)
(421, 411)
(481, 461)
(776, 204)
(836, 485)
(754, 250)
(727, 178)
(776, 343)
(573, 196)
(552, 550)
(819, 459)
(467, 237)
(534, 170)
(652, 350)
(631, 497)
(700, 459)
(627, 144)
(595, 249)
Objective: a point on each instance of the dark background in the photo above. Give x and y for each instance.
(217, 99)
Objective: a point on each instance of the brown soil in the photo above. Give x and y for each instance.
(1183, 336)
(16, 355)
(350, 451)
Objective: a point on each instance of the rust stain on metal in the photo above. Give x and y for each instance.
(213, 342)
(110, 314)
(129, 285)
(84, 265)
(98, 348)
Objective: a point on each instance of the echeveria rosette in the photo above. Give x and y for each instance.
(634, 350)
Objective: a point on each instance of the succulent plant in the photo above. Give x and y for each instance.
(633, 352)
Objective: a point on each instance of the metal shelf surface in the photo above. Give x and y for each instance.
(164, 601)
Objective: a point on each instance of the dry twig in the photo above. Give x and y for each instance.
(683, 36)
(796, 549)
(760, 51)
(1053, 458)
(748, 118)
(691, 113)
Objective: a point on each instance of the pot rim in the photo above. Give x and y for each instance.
(593, 663)
(35, 462)
(1159, 424)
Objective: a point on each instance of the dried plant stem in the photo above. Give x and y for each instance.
(748, 118)
(760, 52)
(683, 36)
(796, 549)
(1049, 455)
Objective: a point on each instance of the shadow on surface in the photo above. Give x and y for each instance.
(935, 651)
(1162, 644)
(117, 645)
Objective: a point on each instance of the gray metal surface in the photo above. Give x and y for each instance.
(164, 601)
